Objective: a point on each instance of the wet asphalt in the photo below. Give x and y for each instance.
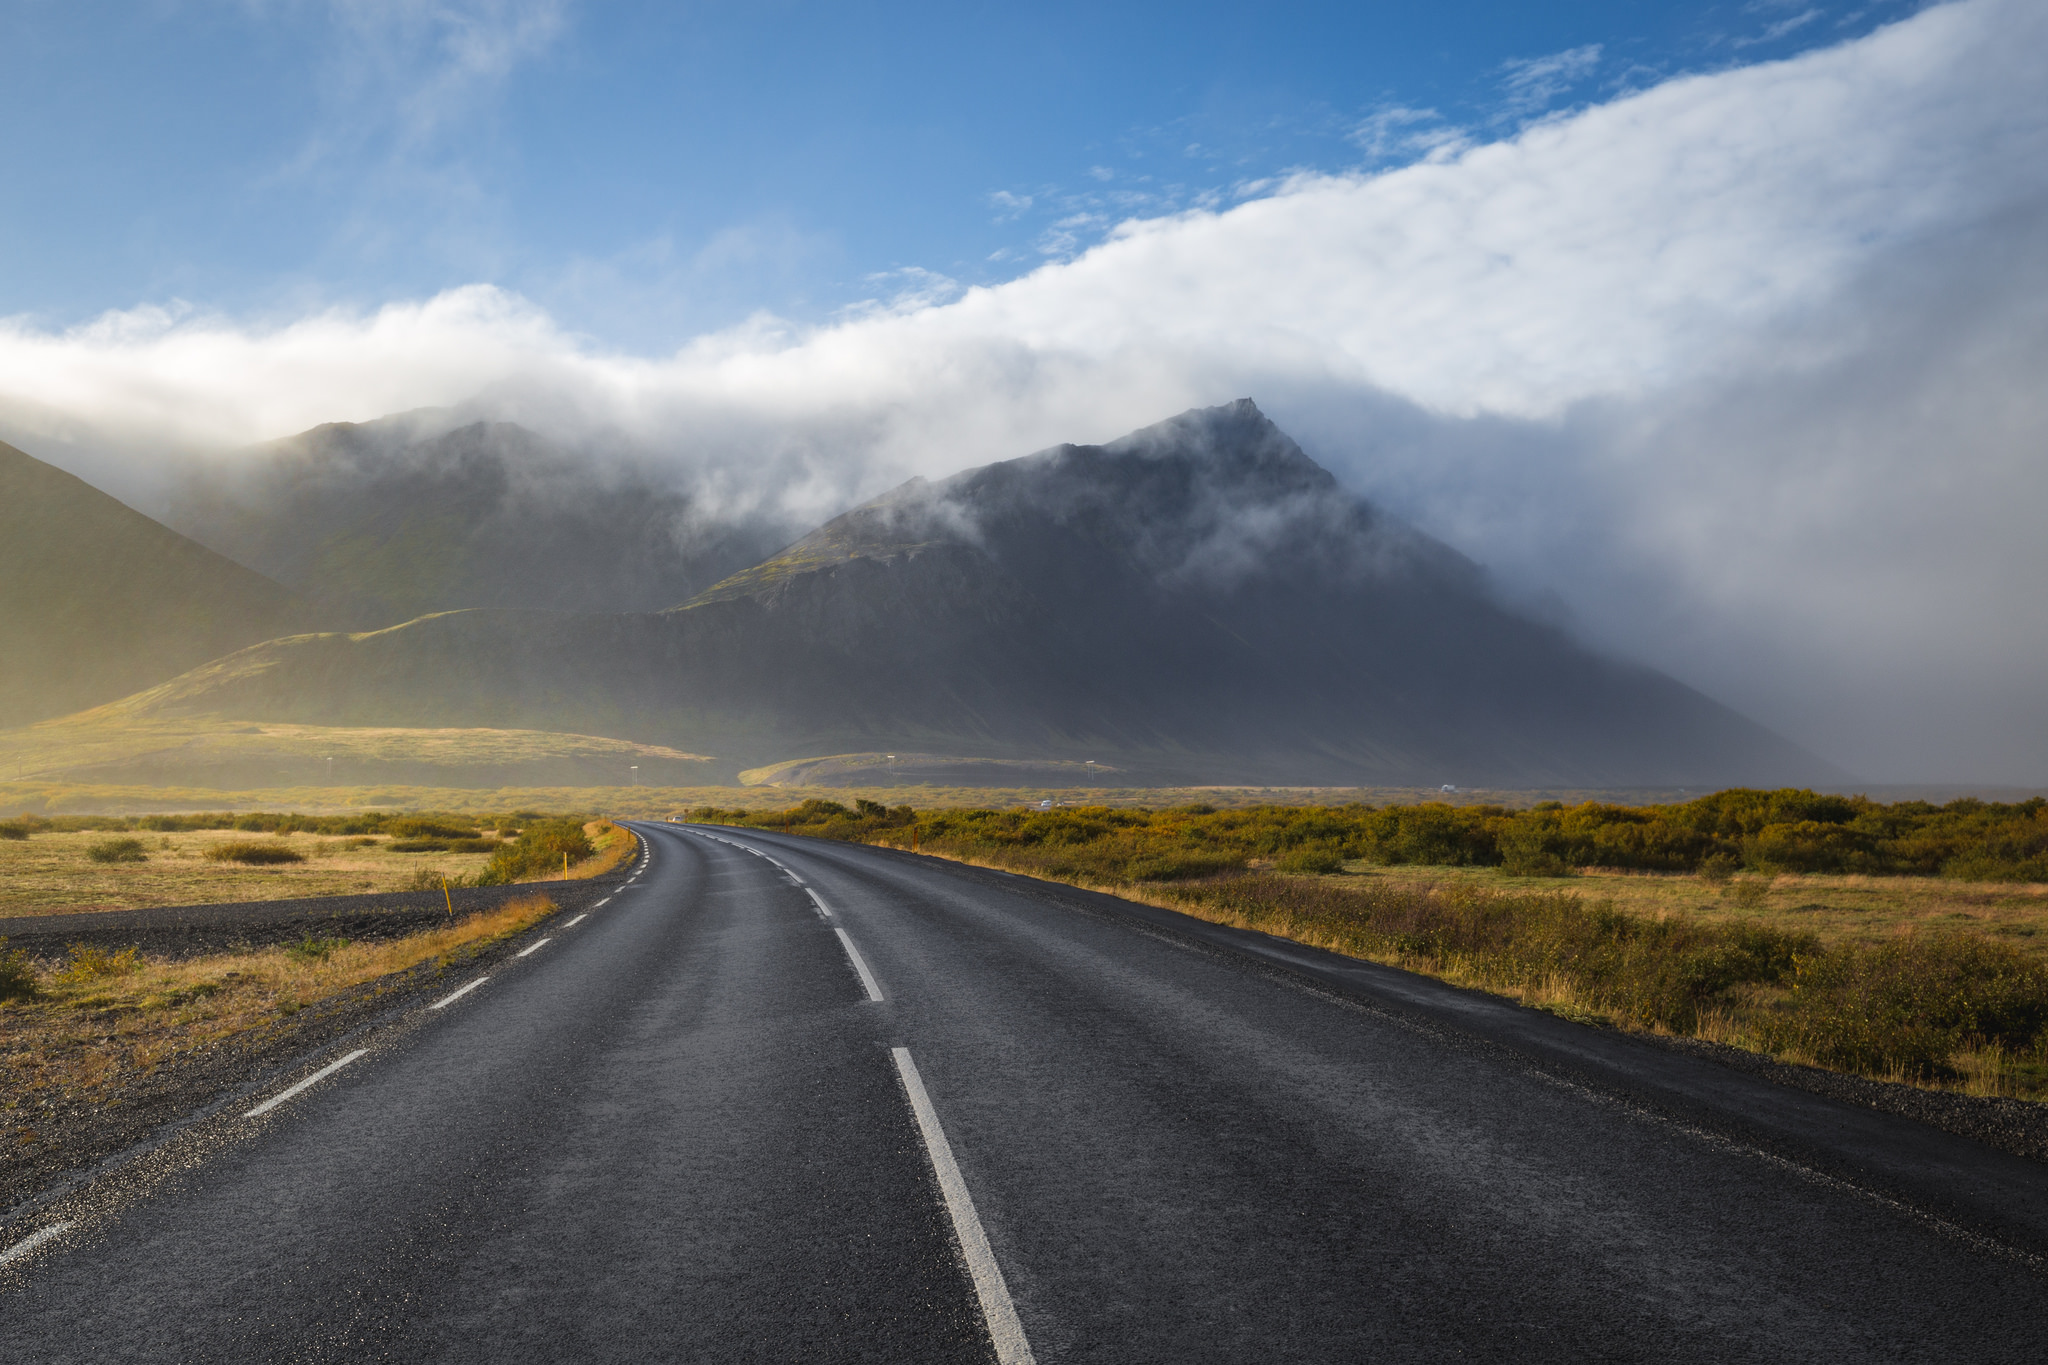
(675, 1131)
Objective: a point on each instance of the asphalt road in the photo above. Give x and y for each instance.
(1069, 1129)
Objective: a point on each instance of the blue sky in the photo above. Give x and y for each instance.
(648, 171)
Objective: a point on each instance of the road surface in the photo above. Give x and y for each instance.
(783, 1100)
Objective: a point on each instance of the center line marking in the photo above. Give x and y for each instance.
(602, 904)
(867, 978)
(34, 1240)
(823, 908)
(578, 920)
(322, 1074)
(533, 947)
(996, 1308)
(451, 999)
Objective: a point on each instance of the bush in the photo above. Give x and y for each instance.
(537, 851)
(17, 974)
(1311, 859)
(1910, 1005)
(310, 950)
(256, 854)
(89, 963)
(117, 851)
(474, 845)
(418, 845)
(13, 829)
(413, 828)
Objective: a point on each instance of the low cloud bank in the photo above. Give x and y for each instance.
(1744, 368)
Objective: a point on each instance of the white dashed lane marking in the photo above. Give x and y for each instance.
(32, 1241)
(322, 1074)
(451, 999)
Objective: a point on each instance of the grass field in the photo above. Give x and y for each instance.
(95, 1027)
(49, 797)
(1835, 909)
(53, 872)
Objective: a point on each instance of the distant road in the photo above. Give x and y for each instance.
(685, 1128)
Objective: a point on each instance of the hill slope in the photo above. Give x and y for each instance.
(1198, 601)
(387, 520)
(97, 600)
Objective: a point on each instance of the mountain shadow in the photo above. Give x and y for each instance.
(1196, 602)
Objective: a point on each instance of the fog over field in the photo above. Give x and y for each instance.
(1740, 373)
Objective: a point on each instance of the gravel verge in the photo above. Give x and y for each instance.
(77, 1139)
(175, 932)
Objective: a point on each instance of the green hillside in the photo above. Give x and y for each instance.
(98, 601)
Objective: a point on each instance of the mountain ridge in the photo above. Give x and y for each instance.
(1197, 601)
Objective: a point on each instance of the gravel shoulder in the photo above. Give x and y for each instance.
(78, 1139)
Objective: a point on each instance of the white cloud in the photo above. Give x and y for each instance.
(1531, 83)
(1746, 365)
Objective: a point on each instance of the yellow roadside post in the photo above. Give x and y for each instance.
(446, 897)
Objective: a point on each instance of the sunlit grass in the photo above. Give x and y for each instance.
(106, 1018)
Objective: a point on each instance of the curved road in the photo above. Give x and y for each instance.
(788, 1100)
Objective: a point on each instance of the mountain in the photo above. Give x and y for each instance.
(420, 512)
(97, 600)
(1197, 602)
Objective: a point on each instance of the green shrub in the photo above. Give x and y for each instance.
(89, 963)
(538, 850)
(1909, 1005)
(255, 854)
(417, 828)
(1311, 859)
(17, 974)
(311, 949)
(13, 829)
(419, 845)
(117, 851)
(474, 845)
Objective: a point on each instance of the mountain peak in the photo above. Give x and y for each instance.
(1164, 497)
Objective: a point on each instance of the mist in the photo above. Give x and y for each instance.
(1741, 373)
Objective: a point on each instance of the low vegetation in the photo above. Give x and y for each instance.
(117, 851)
(119, 862)
(1766, 832)
(102, 1021)
(252, 853)
(543, 846)
(1816, 929)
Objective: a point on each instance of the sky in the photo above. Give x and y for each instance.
(1714, 329)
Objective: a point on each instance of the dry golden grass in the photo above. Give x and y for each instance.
(614, 845)
(1836, 909)
(50, 873)
(108, 1018)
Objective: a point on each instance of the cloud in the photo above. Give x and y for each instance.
(1744, 366)
(1772, 32)
(1531, 83)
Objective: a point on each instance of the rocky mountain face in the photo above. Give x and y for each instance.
(383, 521)
(1197, 602)
(97, 600)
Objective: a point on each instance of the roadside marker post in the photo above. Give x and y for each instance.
(446, 897)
